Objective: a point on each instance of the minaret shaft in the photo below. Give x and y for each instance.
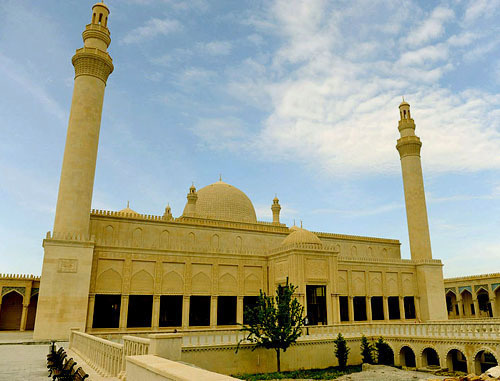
(80, 155)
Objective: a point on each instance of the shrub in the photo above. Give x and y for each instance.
(341, 351)
(385, 353)
(367, 351)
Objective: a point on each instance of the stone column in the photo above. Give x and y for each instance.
(156, 312)
(401, 308)
(369, 308)
(493, 304)
(460, 307)
(385, 302)
(90, 313)
(476, 308)
(185, 311)
(213, 312)
(24, 316)
(351, 308)
(239, 310)
(335, 309)
(417, 307)
(124, 312)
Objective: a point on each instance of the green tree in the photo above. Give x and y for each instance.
(385, 353)
(367, 351)
(341, 350)
(275, 322)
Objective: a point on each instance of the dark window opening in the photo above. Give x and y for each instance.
(449, 304)
(249, 303)
(483, 301)
(93, 18)
(359, 303)
(107, 311)
(316, 305)
(226, 310)
(100, 18)
(344, 308)
(140, 310)
(458, 361)
(430, 357)
(409, 303)
(199, 310)
(377, 305)
(457, 310)
(472, 309)
(171, 310)
(407, 357)
(394, 312)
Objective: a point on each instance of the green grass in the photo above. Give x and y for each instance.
(330, 373)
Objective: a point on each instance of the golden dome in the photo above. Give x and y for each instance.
(127, 210)
(301, 236)
(221, 201)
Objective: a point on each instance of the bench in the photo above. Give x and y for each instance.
(80, 375)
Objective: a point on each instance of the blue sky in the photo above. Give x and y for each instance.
(298, 98)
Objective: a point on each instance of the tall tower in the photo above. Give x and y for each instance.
(430, 284)
(92, 65)
(275, 208)
(68, 251)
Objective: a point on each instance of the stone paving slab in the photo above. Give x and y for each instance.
(23, 362)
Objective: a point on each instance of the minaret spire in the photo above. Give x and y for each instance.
(429, 274)
(92, 65)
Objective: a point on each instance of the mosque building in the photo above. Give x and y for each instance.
(122, 271)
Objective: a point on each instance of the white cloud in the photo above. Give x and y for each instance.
(430, 28)
(154, 27)
(215, 48)
(479, 8)
(424, 55)
(220, 133)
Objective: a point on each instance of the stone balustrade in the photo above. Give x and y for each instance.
(211, 337)
(104, 356)
(133, 346)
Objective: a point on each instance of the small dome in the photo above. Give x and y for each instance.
(404, 103)
(127, 210)
(301, 236)
(221, 201)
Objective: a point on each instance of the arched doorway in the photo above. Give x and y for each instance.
(407, 357)
(468, 309)
(430, 358)
(451, 305)
(456, 361)
(11, 311)
(30, 320)
(483, 301)
(483, 361)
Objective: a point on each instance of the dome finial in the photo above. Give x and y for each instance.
(220, 176)
(301, 224)
(128, 204)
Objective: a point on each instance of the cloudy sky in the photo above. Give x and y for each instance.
(298, 98)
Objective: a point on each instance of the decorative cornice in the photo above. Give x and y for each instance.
(473, 277)
(409, 146)
(19, 277)
(93, 62)
(97, 31)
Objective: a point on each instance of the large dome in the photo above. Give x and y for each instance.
(221, 201)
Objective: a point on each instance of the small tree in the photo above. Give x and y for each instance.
(274, 323)
(385, 353)
(367, 351)
(341, 351)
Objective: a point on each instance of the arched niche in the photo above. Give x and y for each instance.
(142, 282)
(109, 281)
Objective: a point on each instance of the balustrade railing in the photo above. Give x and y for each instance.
(133, 346)
(104, 356)
(211, 337)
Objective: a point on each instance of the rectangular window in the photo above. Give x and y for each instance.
(472, 309)
(107, 311)
(409, 303)
(316, 304)
(377, 305)
(359, 308)
(394, 312)
(140, 311)
(171, 310)
(344, 308)
(199, 310)
(249, 303)
(226, 310)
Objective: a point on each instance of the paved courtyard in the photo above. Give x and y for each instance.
(23, 362)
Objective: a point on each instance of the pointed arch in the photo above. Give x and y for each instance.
(142, 282)
(201, 283)
(228, 284)
(109, 281)
(172, 282)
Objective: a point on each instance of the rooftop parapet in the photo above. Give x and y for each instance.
(19, 276)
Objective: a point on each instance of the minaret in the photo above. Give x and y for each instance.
(92, 65)
(64, 302)
(192, 196)
(416, 211)
(276, 207)
(430, 301)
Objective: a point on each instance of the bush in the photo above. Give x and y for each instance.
(367, 351)
(385, 353)
(341, 351)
